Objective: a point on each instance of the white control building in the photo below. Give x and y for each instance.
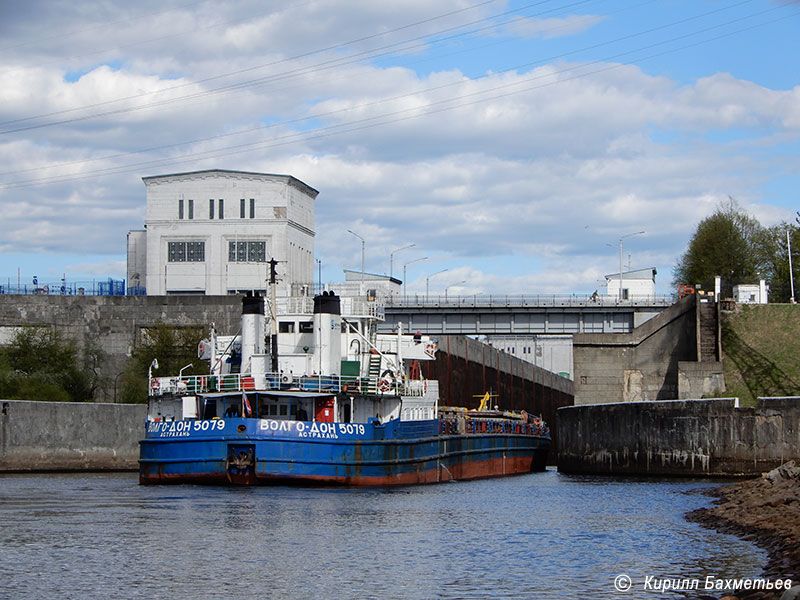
(213, 232)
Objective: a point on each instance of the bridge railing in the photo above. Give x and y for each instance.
(64, 287)
(521, 300)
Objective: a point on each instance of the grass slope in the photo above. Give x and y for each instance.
(761, 351)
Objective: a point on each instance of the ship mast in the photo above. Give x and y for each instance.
(273, 319)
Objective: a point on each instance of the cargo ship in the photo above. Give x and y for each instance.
(313, 395)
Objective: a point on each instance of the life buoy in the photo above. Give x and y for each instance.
(154, 385)
(386, 380)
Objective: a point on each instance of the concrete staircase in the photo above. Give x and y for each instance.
(707, 331)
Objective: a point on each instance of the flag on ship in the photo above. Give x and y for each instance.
(246, 404)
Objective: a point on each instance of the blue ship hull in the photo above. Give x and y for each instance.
(251, 451)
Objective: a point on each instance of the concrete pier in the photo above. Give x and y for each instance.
(69, 436)
(698, 438)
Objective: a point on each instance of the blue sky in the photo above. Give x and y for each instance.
(513, 143)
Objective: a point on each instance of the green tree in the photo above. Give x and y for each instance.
(39, 364)
(773, 259)
(174, 347)
(725, 244)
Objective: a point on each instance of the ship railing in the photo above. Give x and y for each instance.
(245, 382)
(480, 426)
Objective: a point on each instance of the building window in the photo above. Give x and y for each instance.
(211, 208)
(252, 208)
(180, 208)
(186, 251)
(247, 252)
(191, 209)
(241, 208)
(221, 209)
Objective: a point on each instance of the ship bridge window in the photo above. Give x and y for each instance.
(209, 409)
(306, 327)
(279, 410)
(286, 327)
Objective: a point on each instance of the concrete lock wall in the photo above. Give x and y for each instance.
(466, 369)
(683, 438)
(641, 365)
(114, 322)
(69, 436)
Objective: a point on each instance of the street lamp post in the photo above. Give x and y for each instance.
(404, 273)
(619, 294)
(391, 257)
(427, 280)
(791, 274)
(363, 243)
(452, 285)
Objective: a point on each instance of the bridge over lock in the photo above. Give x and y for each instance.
(540, 315)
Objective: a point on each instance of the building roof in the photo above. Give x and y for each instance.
(289, 179)
(649, 273)
(350, 275)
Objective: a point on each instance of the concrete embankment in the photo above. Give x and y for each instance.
(68, 436)
(764, 511)
(705, 438)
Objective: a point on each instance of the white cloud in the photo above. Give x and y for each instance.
(535, 170)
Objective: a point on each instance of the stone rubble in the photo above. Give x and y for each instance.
(765, 511)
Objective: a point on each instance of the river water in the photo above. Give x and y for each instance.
(543, 535)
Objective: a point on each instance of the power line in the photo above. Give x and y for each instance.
(399, 116)
(245, 70)
(408, 95)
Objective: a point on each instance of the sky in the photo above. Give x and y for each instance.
(514, 144)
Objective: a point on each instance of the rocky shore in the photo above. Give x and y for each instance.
(765, 511)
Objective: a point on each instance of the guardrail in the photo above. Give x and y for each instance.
(106, 287)
(510, 300)
(238, 382)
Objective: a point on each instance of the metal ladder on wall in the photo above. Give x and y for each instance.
(374, 364)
